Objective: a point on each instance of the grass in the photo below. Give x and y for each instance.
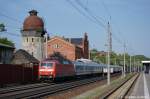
(101, 90)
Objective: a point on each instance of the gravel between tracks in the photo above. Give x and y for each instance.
(78, 90)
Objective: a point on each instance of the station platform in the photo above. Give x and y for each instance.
(141, 90)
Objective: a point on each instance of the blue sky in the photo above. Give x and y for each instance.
(130, 21)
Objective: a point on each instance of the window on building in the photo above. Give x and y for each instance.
(32, 39)
(37, 39)
(55, 46)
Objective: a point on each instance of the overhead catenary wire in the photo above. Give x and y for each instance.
(95, 17)
(10, 18)
(12, 28)
(85, 14)
(106, 9)
(90, 15)
(115, 37)
(9, 26)
(86, 9)
(81, 12)
(89, 11)
(12, 34)
(110, 20)
(119, 41)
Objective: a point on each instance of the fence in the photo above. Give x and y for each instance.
(18, 73)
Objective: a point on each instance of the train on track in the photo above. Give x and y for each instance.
(58, 68)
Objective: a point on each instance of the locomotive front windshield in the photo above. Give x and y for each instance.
(49, 65)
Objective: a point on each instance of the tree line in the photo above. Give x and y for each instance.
(117, 59)
(4, 40)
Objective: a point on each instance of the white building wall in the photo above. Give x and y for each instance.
(34, 46)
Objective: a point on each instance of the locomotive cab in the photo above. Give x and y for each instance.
(46, 70)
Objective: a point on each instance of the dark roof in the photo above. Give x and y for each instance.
(76, 41)
(21, 57)
(6, 46)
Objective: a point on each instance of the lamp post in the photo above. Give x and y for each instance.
(130, 63)
(124, 66)
(108, 54)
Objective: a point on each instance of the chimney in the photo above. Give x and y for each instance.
(85, 36)
(33, 13)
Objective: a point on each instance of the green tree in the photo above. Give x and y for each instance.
(117, 59)
(6, 41)
(2, 27)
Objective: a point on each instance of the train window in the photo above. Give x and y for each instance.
(47, 64)
(79, 68)
(66, 62)
(43, 64)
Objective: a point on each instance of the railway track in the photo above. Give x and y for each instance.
(22, 87)
(44, 89)
(121, 90)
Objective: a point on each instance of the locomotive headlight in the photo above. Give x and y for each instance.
(41, 70)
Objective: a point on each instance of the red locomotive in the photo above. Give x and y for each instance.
(56, 67)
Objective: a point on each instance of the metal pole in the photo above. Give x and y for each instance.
(115, 62)
(108, 69)
(124, 67)
(122, 72)
(108, 60)
(138, 66)
(134, 64)
(46, 45)
(89, 54)
(130, 63)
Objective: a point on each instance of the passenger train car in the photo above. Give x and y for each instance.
(87, 67)
(113, 69)
(57, 69)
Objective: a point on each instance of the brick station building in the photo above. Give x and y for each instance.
(71, 48)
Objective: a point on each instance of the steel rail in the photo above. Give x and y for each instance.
(119, 86)
(41, 91)
(22, 87)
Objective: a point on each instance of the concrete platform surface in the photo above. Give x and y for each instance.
(141, 89)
